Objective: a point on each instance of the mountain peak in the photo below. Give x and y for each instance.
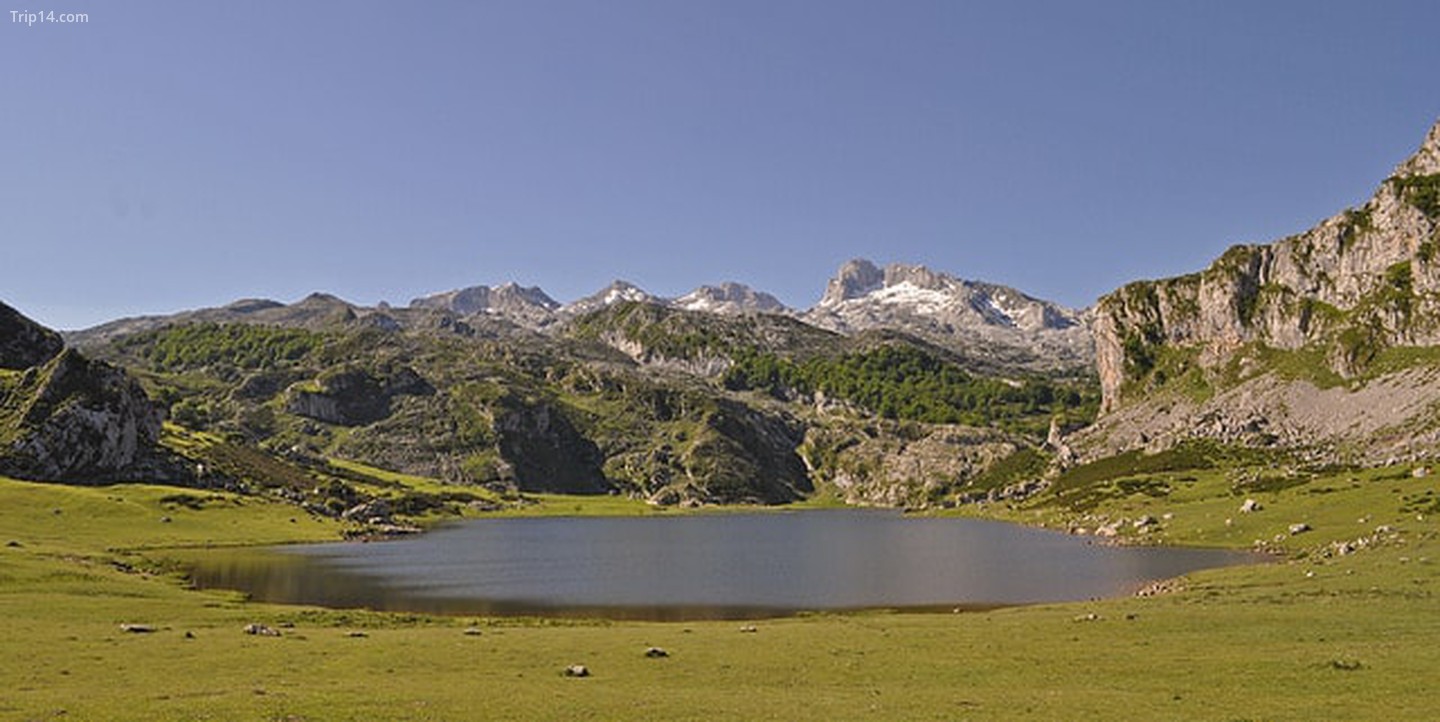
(1426, 160)
(855, 278)
(619, 291)
(730, 297)
(23, 342)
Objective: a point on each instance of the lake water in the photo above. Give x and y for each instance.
(703, 566)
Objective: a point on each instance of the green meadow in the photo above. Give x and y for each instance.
(1314, 635)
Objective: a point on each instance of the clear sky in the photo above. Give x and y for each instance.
(170, 155)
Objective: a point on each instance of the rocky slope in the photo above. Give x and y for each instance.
(634, 398)
(1251, 347)
(63, 416)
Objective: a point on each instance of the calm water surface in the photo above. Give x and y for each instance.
(708, 566)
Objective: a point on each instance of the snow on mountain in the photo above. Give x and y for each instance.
(729, 297)
(973, 317)
(617, 292)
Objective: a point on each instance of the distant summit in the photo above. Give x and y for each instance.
(731, 298)
(617, 292)
(975, 318)
(521, 303)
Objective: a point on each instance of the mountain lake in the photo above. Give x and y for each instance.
(702, 566)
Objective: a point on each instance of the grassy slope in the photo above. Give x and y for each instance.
(1346, 637)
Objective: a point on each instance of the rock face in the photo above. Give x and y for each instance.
(974, 318)
(24, 343)
(354, 396)
(547, 452)
(1336, 297)
(66, 417)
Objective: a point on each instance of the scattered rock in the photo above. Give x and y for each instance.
(357, 635)
(472, 632)
(1420, 472)
(1091, 617)
(165, 520)
(1250, 505)
(261, 630)
(1162, 586)
(1144, 521)
(656, 653)
(137, 628)
(577, 670)
(1108, 530)
(13, 544)
(189, 635)
(1300, 528)
(748, 629)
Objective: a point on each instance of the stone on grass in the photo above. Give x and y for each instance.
(577, 670)
(137, 628)
(261, 630)
(1249, 506)
(1300, 528)
(656, 653)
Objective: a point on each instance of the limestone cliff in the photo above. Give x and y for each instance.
(1363, 280)
(1284, 343)
(64, 417)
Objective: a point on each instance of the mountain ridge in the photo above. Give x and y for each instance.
(1001, 329)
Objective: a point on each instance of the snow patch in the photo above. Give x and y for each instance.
(921, 300)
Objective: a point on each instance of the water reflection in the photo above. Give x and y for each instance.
(721, 566)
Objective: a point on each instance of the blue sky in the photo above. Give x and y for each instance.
(167, 155)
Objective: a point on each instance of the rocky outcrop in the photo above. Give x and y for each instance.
(353, 396)
(24, 343)
(546, 452)
(1360, 281)
(74, 419)
(897, 465)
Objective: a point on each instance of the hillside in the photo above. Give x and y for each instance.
(634, 398)
(1324, 340)
(65, 417)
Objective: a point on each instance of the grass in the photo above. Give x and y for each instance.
(1310, 637)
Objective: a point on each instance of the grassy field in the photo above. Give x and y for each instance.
(1318, 635)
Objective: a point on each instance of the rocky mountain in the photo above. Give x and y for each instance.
(527, 305)
(617, 292)
(66, 417)
(729, 298)
(1326, 338)
(997, 326)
